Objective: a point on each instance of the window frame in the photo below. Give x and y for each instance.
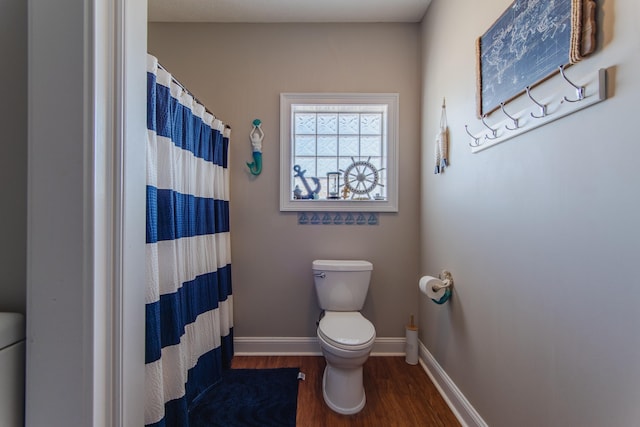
(287, 101)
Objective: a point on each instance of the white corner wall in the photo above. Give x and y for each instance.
(541, 234)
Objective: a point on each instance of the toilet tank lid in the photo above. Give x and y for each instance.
(11, 329)
(342, 265)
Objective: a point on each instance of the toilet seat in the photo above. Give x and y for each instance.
(346, 330)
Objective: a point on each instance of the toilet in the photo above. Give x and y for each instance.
(346, 337)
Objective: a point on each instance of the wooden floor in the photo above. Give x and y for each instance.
(398, 394)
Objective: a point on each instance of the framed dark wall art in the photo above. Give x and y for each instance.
(528, 43)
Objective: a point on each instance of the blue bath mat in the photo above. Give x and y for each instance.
(249, 397)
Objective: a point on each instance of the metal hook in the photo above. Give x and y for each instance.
(494, 132)
(579, 89)
(513, 119)
(476, 140)
(543, 107)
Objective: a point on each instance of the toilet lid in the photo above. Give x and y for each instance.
(346, 330)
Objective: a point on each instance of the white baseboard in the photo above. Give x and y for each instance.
(389, 346)
(306, 346)
(276, 346)
(458, 403)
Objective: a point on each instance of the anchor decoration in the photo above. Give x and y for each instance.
(311, 193)
(256, 135)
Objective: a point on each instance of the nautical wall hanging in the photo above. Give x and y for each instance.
(441, 150)
(256, 136)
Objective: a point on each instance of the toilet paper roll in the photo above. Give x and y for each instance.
(439, 296)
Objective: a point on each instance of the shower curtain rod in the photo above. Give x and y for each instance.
(173, 79)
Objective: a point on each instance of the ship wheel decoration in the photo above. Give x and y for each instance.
(361, 177)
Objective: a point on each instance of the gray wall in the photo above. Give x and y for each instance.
(238, 71)
(13, 155)
(541, 234)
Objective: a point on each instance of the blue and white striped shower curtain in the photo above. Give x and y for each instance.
(189, 302)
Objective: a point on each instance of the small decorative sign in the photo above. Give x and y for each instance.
(337, 218)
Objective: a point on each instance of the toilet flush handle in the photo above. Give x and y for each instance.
(320, 275)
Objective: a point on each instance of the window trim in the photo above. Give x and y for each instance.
(287, 100)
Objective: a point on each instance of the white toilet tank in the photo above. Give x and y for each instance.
(341, 285)
(12, 350)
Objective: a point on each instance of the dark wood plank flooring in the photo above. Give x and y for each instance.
(398, 394)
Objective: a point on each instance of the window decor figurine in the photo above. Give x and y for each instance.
(361, 177)
(333, 185)
(345, 192)
(312, 193)
(256, 135)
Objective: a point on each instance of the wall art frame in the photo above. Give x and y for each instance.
(527, 44)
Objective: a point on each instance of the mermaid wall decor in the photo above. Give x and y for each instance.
(256, 136)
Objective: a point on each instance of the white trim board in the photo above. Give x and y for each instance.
(306, 346)
(457, 402)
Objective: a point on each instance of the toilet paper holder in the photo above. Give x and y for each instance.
(447, 281)
(439, 288)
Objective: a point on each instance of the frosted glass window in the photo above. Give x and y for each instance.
(370, 124)
(327, 145)
(352, 134)
(326, 165)
(327, 124)
(306, 124)
(370, 146)
(305, 145)
(349, 145)
(349, 124)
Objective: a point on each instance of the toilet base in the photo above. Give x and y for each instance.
(343, 390)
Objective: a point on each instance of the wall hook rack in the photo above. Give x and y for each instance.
(551, 103)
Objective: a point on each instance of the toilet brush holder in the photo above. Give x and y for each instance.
(411, 343)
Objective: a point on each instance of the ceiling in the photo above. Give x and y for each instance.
(271, 11)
